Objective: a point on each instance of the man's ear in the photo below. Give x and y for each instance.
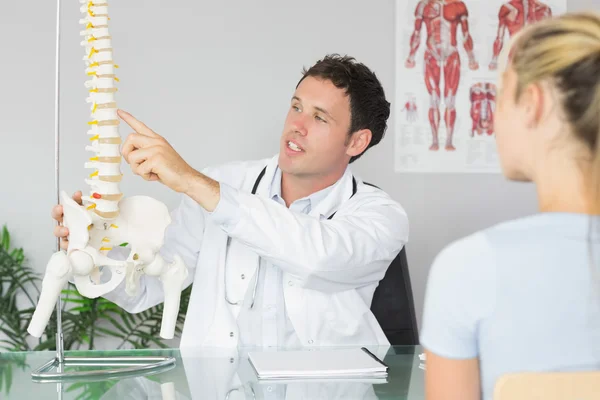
(358, 142)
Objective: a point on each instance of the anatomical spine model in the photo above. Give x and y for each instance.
(483, 105)
(513, 16)
(107, 219)
(442, 19)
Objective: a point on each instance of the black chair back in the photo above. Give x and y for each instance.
(393, 304)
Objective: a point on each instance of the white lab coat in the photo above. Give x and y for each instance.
(331, 268)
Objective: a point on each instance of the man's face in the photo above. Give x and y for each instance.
(314, 139)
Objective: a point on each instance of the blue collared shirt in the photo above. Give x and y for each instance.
(303, 205)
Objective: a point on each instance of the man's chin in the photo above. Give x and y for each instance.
(290, 166)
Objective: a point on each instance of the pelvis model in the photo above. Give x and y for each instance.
(107, 219)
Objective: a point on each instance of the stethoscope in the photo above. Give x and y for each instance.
(238, 390)
(256, 183)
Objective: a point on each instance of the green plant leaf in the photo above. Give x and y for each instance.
(81, 309)
(67, 292)
(5, 238)
(12, 339)
(109, 307)
(75, 386)
(111, 332)
(49, 344)
(127, 321)
(78, 301)
(117, 325)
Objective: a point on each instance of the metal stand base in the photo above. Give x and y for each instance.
(105, 368)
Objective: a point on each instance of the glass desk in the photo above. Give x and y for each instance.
(206, 374)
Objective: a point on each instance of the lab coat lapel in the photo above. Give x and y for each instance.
(242, 259)
(264, 186)
(206, 303)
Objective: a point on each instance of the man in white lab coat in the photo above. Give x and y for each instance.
(285, 251)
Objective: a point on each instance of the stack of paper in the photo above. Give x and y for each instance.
(318, 363)
(422, 361)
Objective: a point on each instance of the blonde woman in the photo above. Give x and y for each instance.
(524, 295)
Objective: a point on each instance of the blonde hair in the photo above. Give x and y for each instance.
(565, 50)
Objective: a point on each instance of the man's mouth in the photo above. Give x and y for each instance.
(293, 146)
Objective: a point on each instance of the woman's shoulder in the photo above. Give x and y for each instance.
(478, 252)
(475, 253)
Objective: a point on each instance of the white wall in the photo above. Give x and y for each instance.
(217, 84)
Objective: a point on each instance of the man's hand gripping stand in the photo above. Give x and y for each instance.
(141, 224)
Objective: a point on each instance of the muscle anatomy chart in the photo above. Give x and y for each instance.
(446, 66)
(441, 20)
(410, 108)
(513, 15)
(483, 103)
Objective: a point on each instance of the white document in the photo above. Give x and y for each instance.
(317, 364)
(446, 79)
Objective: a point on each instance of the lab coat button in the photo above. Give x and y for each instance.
(310, 341)
(243, 276)
(290, 283)
(230, 334)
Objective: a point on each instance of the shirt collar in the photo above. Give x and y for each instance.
(313, 199)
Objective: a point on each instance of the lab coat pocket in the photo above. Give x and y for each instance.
(330, 319)
(241, 265)
(350, 314)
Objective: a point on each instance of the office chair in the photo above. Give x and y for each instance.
(393, 304)
(582, 385)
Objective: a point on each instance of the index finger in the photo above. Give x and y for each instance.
(136, 125)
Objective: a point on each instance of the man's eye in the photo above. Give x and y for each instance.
(319, 119)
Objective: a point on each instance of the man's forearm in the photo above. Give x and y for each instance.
(204, 191)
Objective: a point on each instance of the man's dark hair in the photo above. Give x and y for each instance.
(368, 107)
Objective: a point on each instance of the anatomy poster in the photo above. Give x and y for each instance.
(446, 75)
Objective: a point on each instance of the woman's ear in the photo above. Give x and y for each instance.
(533, 101)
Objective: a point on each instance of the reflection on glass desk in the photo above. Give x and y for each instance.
(208, 374)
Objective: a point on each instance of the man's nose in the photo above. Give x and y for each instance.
(300, 124)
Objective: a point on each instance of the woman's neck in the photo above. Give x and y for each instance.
(565, 187)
